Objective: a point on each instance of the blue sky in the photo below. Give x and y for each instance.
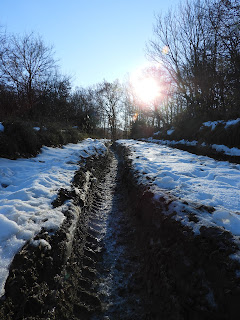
(93, 39)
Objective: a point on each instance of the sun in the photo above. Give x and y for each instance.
(145, 88)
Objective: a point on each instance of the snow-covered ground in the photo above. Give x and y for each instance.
(27, 188)
(218, 147)
(1, 127)
(227, 124)
(229, 151)
(197, 180)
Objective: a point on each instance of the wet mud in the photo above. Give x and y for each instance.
(102, 278)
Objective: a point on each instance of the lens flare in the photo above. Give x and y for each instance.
(135, 116)
(165, 50)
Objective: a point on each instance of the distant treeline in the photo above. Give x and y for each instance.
(31, 86)
(33, 89)
(197, 47)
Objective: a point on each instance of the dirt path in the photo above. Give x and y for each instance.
(103, 279)
(116, 273)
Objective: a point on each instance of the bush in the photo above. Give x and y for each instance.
(229, 136)
(19, 139)
(51, 136)
(8, 148)
(140, 130)
(193, 129)
(54, 135)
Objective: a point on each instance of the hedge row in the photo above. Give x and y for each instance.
(195, 130)
(23, 139)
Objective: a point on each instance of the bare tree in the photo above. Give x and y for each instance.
(167, 47)
(25, 64)
(2, 48)
(109, 98)
(192, 55)
(225, 22)
(85, 109)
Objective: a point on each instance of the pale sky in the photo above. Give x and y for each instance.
(93, 39)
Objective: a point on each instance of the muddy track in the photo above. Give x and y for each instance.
(102, 281)
(123, 259)
(93, 272)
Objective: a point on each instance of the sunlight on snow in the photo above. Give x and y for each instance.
(197, 180)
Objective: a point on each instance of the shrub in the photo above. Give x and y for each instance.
(19, 138)
(141, 130)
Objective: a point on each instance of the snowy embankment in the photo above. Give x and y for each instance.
(207, 139)
(183, 204)
(211, 188)
(227, 124)
(234, 152)
(27, 189)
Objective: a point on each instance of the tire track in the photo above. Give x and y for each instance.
(108, 264)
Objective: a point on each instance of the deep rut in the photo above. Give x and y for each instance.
(116, 269)
(107, 277)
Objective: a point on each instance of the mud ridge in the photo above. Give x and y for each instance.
(92, 269)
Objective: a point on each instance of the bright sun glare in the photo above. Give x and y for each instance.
(145, 88)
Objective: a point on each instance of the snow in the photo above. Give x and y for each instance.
(226, 150)
(1, 127)
(169, 132)
(27, 189)
(232, 123)
(212, 124)
(172, 142)
(41, 243)
(196, 180)
(228, 123)
(220, 148)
